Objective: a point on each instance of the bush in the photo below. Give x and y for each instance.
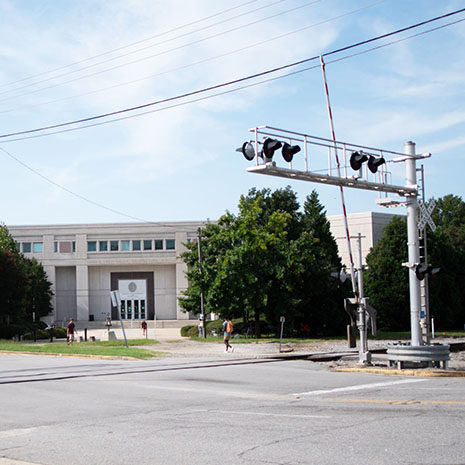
(193, 331)
(215, 326)
(185, 329)
(58, 332)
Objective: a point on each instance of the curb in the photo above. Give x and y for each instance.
(408, 372)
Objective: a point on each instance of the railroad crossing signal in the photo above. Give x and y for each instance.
(425, 215)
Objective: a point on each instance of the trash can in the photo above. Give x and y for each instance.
(91, 317)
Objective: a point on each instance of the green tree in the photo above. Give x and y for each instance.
(446, 249)
(24, 288)
(268, 261)
(386, 280)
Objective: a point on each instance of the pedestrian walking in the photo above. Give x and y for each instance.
(70, 330)
(227, 329)
(143, 325)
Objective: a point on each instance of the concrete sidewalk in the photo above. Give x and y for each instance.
(160, 334)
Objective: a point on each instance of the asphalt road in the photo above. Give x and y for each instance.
(181, 411)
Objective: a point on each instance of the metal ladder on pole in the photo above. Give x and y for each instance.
(424, 297)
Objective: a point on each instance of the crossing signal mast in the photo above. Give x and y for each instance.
(364, 168)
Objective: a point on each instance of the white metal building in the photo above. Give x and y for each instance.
(85, 262)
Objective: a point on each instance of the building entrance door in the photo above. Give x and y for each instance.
(133, 299)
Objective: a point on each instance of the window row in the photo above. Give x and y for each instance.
(131, 245)
(30, 247)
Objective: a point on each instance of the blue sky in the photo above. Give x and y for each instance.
(180, 163)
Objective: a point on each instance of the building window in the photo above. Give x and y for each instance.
(103, 246)
(26, 247)
(91, 246)
(18, 246)
(74, 246)
(125, 246)
(147, 245)
(38, 247)
(114, 246)
(158, 244)
(135, 245)
(170, 244)
(55, 246)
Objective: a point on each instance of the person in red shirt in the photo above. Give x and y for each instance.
(70, 330)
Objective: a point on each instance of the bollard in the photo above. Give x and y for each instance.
(85, 334)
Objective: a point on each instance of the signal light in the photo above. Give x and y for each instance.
(357, 159)
(422, 271)
(289, 151)
(269, 148)
(375, 163)
(341, 275)
(247, 150)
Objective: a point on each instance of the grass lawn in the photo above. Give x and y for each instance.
(108, 348)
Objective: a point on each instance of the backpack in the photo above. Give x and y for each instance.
(229, 327)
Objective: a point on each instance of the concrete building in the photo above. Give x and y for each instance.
(369, 224)
(85, 262)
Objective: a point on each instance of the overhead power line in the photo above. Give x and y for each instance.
(236, 89)
(82, 197)
(164, 52)
(198, 99)
(79, 196)
(109, 52)
(229, 83)
(188, 65)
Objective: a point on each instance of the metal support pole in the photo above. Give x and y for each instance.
(34, 323)
(122, 325)
(413, 246)
(364, 355)
(202, 306)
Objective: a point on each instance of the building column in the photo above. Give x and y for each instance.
(51, 276)
(181, 270)
(82, 293)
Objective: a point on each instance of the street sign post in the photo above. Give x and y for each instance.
(116, 301)
(281, 320)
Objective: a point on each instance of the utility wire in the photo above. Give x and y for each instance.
(229, 83)
(81, 197)
(236, 89)
(38, 173)
(280, 36)
(138, 60)
(177, 28)
(204, 98)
